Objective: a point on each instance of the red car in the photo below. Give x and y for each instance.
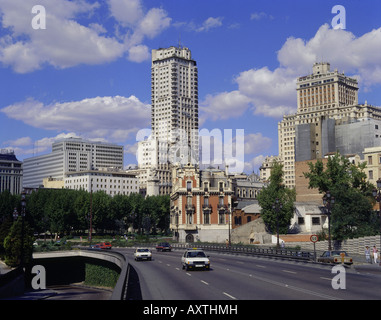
(105, 245)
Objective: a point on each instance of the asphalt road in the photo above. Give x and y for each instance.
(235, 277)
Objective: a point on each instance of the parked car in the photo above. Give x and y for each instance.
(335, 256)
(142, 254)
(195, 259)
(163, 246)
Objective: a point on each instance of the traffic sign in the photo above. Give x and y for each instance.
(314, 238)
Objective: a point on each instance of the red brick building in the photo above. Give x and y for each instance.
(200, 204)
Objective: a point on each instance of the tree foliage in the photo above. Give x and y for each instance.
(351, 214)
(267, 197)
(63, 211)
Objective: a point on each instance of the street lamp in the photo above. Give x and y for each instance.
(277, 206)
(377, 196)
(328, 201)
(23, 206)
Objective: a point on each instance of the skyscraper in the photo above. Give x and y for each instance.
(174, 98)
(327, 102)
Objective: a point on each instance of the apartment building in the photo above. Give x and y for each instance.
(71, 155)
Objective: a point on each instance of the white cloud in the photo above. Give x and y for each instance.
(114, 118)
(272, 93)
(127, 12)
(260, 15)
(224, 105)
(210, 23)
(24, 141)
(138, 53)
(256, 142)
(66, 42)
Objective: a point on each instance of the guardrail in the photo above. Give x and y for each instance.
(256, 251)
(246, 250)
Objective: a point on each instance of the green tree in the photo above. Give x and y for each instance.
(351, 214)
(268, 196)
(18, 243)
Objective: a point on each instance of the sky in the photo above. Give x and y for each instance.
(82, 68)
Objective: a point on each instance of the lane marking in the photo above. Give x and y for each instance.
(288, 271)
(230, 296)
(259, 266)
(188, 274)
(329, 279)
(204, 282)
(177, 268)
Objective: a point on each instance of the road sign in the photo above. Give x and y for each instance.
(314, 238)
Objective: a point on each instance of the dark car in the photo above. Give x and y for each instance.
(163, 246)
(335, 256)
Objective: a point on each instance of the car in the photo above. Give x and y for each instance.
(105, 245)
(142, 254)
(195, 258)
(163, 246)
(102, 245)
(335, 256)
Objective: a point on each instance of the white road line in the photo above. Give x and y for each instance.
(329, 279)
(168, 265)
(177, 268)
(259, 266)
(231, 297)
(204, 282)
(188, 274)
(293, 272)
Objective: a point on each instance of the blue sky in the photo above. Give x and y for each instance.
(88, 73)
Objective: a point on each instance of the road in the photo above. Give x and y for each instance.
(235, 277)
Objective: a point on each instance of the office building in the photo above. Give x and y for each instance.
(111, 181)
(327, 102)
(71, 155)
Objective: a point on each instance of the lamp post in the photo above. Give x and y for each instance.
(277, 206)
(328, 201)
(377, 196)
(23, 206)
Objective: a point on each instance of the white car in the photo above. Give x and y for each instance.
(142, 254)
(195, 259)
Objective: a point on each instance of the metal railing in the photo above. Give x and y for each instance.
(244, 250)
(254, 251)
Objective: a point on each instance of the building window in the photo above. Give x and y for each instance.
(221, 217)
(370, 160)
(206, 217)
(189, 186)
(300, 220)
(316, 221)
(370, 174)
